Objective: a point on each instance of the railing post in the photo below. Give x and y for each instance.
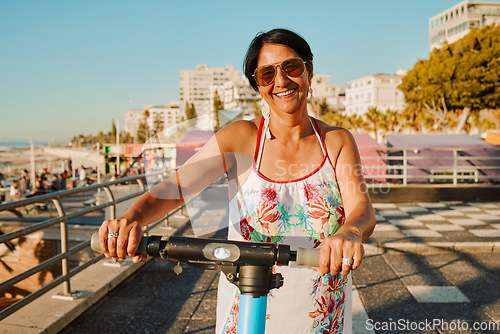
(112, 208)
(141, 184)
(64, 246)
(405, 166)
(455, 171)
(64, 249)
(184, 210)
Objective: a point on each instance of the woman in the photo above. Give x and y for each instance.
(303, 187)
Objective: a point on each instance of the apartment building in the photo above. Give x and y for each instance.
(170, 114)
(457, 21)
(378, 90)
(194, 85)
(132, 119)
(323, 90)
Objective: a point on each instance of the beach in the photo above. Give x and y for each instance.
(54, 159)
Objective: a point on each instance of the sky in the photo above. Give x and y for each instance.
(71, 67)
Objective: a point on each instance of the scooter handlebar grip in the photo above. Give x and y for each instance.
(96, 245)
(308, 257)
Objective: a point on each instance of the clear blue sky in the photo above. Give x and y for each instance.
(70, 67)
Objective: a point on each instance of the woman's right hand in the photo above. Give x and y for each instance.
(128, 236)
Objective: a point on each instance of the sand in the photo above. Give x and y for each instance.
(55, 160)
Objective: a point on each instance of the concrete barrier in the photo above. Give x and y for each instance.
(390, 193)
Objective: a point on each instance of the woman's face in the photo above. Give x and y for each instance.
(285, 94)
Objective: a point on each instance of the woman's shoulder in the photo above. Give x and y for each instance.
(336, 134)
(337, 139)
(239, 135)
(241, 128)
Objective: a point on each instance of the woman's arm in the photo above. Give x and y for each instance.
(200, 171)
(360, 217)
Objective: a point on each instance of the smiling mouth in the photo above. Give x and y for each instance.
(286, 93)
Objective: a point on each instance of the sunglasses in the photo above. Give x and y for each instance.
(293, 68)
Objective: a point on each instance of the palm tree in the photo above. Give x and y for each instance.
(392, 118)
(374, 119)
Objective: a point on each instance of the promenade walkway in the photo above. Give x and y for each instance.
(429, 268)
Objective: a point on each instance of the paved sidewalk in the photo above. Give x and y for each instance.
(420, 227)
(396, 290)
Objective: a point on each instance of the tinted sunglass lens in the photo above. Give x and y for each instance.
(293, 67)
(265, 75)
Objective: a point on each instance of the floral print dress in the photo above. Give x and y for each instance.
(300, 213)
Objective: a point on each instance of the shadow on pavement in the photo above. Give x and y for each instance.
(383, 282)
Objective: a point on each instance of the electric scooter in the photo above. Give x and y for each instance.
(248, 265)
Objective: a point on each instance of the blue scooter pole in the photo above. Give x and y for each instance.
(255, 282)
(252, 314)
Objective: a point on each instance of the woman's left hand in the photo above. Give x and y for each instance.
(337, 249)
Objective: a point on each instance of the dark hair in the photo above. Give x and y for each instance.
(275, 36)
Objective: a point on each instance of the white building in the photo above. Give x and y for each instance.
(194, 85)
(169, 114)
(235, 95)
(378, 90)
(132, 119)
(457, 21)
(323, 90)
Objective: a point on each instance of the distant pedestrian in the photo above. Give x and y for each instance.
(62, 180)
(54, 183)
(40, 187)
(3, 184)
(3, 181)
(15, 194)
(25, 186)
(82, 176)
(68, 164)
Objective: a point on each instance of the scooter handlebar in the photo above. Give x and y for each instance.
(308, 257)
(202, 250)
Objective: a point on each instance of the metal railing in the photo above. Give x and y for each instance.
(62, 219)
(431, 165)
